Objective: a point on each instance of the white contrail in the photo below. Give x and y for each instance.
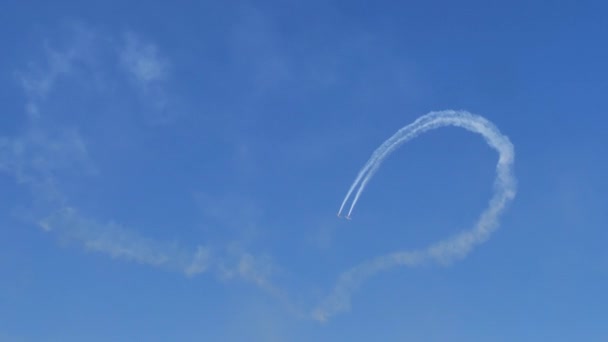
(362, 173)
(378, 153)
(444, 251)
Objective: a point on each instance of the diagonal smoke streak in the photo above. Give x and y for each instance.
(445, 251)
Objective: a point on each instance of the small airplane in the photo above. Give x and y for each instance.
(346, 217)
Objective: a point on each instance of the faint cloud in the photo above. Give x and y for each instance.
(143, 61)
(149, 70)
(236, 219)
(40, 158)
(93, 58)
(118, 242)
(258, 270)
(200, 262)
(38, 79)
(246, 266)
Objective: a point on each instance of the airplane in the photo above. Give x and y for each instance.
(346, 217)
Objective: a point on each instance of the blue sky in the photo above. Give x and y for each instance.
(172, 172)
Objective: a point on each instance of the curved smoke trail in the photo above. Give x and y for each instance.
(444, 251)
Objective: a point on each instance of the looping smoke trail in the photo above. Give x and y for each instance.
(448, 250)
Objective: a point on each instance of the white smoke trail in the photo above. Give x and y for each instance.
(361, 174)
(378, 153)
(444, 251)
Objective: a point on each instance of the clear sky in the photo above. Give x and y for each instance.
(172, 172)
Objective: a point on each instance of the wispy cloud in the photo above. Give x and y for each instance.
(149, 71)
(94, 59)
(40, 76)
(40, 158)
(38, 80)
(47, 154)
(245, 265)
(121, 243)
(143, 61)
